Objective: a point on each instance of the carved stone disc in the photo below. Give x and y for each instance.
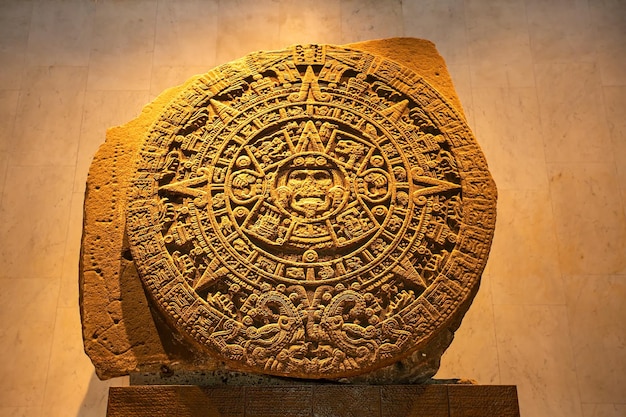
(315, 212)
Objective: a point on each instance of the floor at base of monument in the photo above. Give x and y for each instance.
(319, 401)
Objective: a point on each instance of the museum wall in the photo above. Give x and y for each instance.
(543, 85)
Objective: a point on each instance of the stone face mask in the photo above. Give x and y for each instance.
(315, 212)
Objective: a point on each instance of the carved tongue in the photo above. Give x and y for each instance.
(312, 201)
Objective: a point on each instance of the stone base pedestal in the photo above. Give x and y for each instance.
(314, 400)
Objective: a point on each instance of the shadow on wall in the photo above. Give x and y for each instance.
(94, 404)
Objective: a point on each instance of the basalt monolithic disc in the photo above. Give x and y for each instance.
(316, 212)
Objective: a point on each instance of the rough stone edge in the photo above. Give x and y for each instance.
(102, 266)
(424, 59)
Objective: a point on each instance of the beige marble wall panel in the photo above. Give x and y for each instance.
(14, 28)
(73, 392)
(615, 102)
(8, 110)
(560, 30)
(310, 21)
(473, 353)
(524, 262)
(4, 164)
(68, 292)
(245, 26)
(609, 19)
(102, 110)
(122, 45)
(48, 117)
(33, 221)
(20, 411)
(460, 74)
(508, 126)
(604, 410)
(535, 354)
(589, 218)
(595, 306)
(572, 112)
(186, 33)
(440, 21)
(164, 77)
(26, 338)
(365, 19)
(60, 33)
(499, 46)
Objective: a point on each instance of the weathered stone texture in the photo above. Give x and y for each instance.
(316, 212)
(120, 332)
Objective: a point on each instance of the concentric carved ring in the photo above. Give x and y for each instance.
(315, 211)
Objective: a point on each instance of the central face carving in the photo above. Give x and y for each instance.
(309, 186)
(310, 190)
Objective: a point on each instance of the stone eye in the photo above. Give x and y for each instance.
(321, 176)
(298, 176)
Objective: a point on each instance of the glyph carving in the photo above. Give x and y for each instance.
(316, 212)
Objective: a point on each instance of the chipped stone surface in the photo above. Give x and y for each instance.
(315, 212)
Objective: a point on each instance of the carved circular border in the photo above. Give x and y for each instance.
(432, 310)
